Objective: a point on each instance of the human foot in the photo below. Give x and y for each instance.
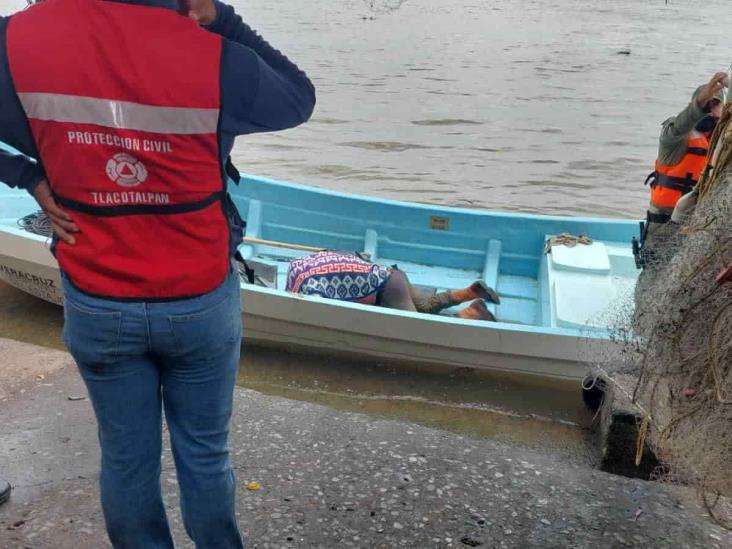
(477, 290)
(476, 311)
(483, 291)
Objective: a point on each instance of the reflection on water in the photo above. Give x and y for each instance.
(462, 400)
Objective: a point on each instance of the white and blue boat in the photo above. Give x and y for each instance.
(556, 311)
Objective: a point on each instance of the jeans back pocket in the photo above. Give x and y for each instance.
(92, 337)
(206, 334)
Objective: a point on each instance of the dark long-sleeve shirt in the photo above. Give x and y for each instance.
(17, 170)
(675, 132)
(261, 90)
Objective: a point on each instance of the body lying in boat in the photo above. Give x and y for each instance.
(349, 277)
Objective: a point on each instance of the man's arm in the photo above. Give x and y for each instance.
(677, 128)
(675, 132)
(16, 170)
(262, 90)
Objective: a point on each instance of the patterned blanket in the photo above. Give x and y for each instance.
(337, 275)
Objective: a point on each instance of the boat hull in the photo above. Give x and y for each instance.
(553, 311)
(289, 321)
(386, 334)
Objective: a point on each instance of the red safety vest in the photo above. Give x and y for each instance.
(672, 182)
(123, 102)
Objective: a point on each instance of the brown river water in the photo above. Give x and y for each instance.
(522, 105)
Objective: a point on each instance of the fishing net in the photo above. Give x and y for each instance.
(36, 223)
(678, 342)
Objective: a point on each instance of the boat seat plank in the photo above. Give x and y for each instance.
(254, 219)
(371, 244)
(253, 230)
(491, 268)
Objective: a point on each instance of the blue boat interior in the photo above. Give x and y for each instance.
(439, 248)
(446, 248)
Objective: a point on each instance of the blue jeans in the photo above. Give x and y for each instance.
(138, 358)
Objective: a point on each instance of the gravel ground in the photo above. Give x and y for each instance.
(329, 479)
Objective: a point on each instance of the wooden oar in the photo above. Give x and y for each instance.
(276, 244)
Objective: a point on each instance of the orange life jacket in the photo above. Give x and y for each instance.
(672, 182)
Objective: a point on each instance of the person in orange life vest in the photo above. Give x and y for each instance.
(683, 148)
(131, 108)
(682, 152)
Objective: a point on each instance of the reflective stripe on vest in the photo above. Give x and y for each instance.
(672, 182)
(123, 101)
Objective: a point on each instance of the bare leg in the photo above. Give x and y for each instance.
(396, 292)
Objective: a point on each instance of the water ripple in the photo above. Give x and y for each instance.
(446, 122)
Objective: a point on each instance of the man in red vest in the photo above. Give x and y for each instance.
(131, 108)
